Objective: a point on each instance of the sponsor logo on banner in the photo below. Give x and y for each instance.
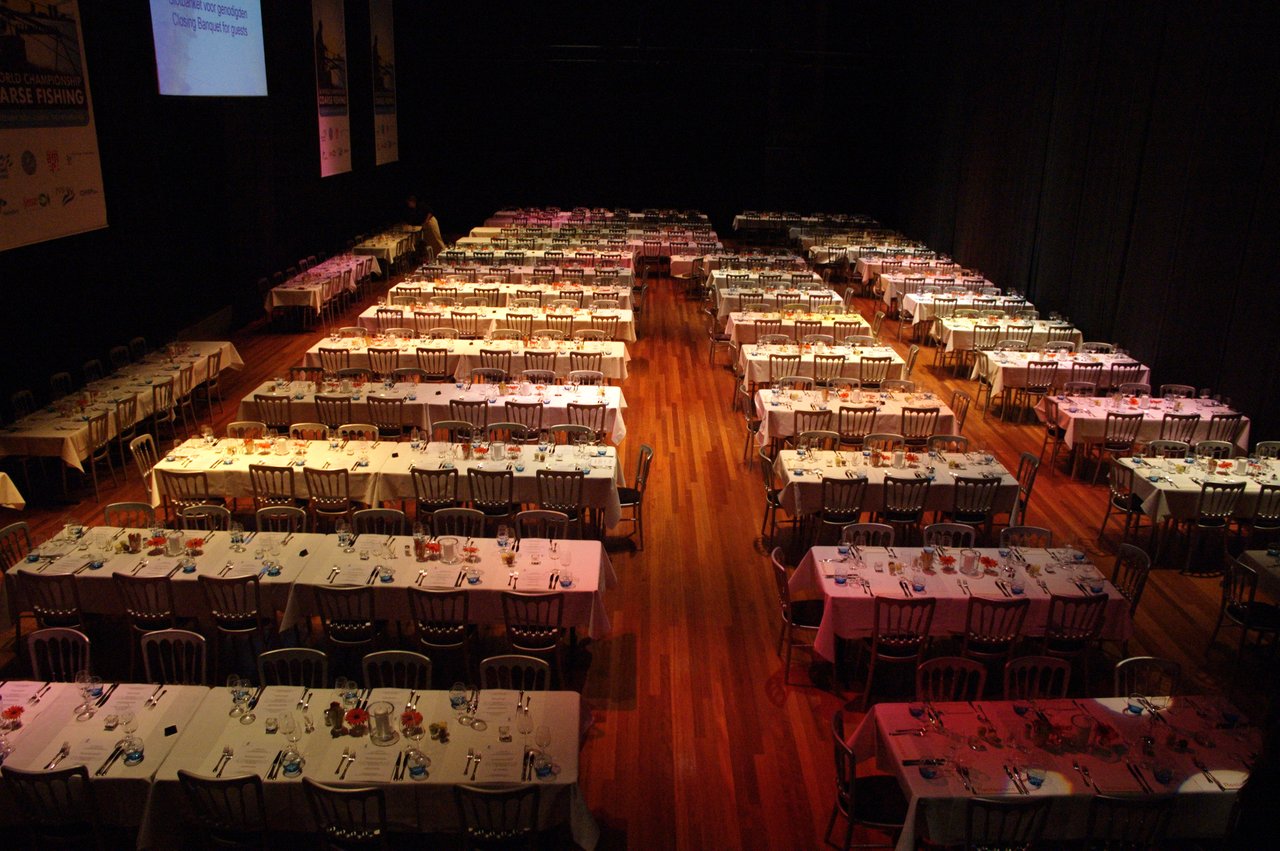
(44, 199)
(66, 195)
(90, 191)
(28, 162)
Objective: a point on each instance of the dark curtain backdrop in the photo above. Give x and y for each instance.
(1116, 161)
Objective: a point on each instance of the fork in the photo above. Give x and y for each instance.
(227, 753)
(475, 766)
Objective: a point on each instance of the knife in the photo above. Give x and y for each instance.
(106, 695)
(275, 765)
(152, 698)
(1017, 781)
(1137, 773)
(253, 703)
(395, 772)
(102, 769)
(906, 589)
(1204, 769)
(62, 754)
(40, 692)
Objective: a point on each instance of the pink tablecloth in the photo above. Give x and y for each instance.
(850, 609)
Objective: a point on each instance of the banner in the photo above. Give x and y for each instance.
(329, 23)
(386, 137)
(50, 174)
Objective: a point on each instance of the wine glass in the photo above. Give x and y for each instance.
(503, 537)
(237, 687)
(542, 738)
(129, 721)
(84, 681)
(289, 727)
(524, 723)
(237, 536)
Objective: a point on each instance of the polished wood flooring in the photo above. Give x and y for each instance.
(696, 741)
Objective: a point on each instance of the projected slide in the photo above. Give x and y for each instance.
(209, 47)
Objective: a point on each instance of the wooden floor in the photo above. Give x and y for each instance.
(696, 742)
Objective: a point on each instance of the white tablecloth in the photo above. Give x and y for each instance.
(1009, 369)
(429, 403)
(10, 497)
(1177, 494)
(426, 805)
(920, 306)
(467, 353)
(379, 318)
(621, 292)
(1084, 420)
(755, 364)
(858, 325)
(49, 433)
(777, 411)
(957, 334)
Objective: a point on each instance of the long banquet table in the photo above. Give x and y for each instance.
(621, 291)
(921, 305)
(755, 364)
(380, 470)
(779, 410)
(55, 433)
(1004, 369)
(849, 611)
(867, 268)
(1167, 494)
(851, 324)
(465, 354)
(1100, 736)
(412, 806)
(487, 319)
(307, 560)
(50, 720)
(321, 283)
(428, 403)
(957, 333)
(802, 477)
(1083, 419)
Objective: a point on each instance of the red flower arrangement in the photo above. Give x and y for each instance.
(357, 717)
(156, 541)
(1225, 465)
(195, 543)
(912, 457)
(411, 718)
(948, 560)
(987, 561)
(13, 713)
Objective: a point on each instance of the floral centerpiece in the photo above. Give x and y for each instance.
(12, 717)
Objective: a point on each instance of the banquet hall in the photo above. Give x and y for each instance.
(1109, 171)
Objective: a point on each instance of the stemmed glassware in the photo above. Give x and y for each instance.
(239, 695)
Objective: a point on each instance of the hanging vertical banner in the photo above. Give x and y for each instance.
(50, 174)
(329, 22)
(386, 137)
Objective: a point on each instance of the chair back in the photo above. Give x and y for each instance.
(491, 490)
(534, 622)
(234, 603)
(497, 818)
(281, 518)
(300, 667)
(1146, 675)
(205, 518)
(950, 535)
(525, 673)
(434, 488)
(867, 534)
(174, 657)
(346, 614)
(560, 490)
(147, 601)
(1029, 537)
(974, 498)
(57, 805)
(843, 499)
(231, 810)
(1129, 575)
(441, 617)
(901, 627)
(348, 817)
(462, 522)
(54, 600)
(15, 544)
(1074, 622)
(58, 653)
(1125, 821)
(182, 489)
(1005, 822)
(540, 523)
(272, 485)
(993, 627)
(329, 490)
(402, 669)
(950, 679)
(131, 515)
(1218, 502)
(1121, 430)
(379, 521)
(1036, 677)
